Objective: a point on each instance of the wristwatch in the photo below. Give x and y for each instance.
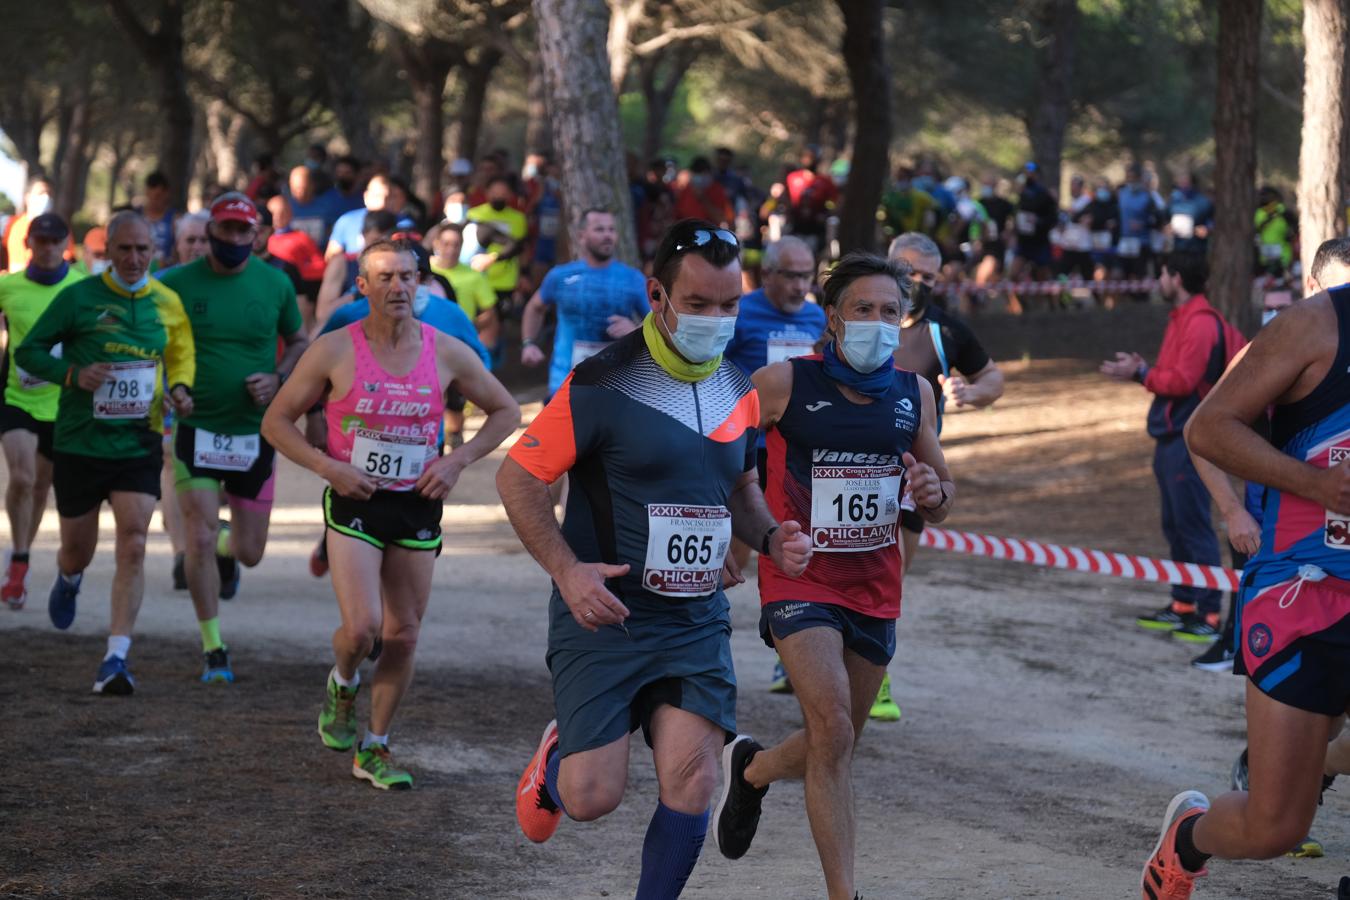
(764, 544)
(940, 502)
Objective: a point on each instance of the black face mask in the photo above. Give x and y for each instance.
(498, 205)
(922, 294)
(231, 256)
(346, 184)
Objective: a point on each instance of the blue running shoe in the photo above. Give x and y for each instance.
(779, 684)
(217, 668)
(113, 678)
(61, 602)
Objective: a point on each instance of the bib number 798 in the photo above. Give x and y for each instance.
(860, 507)
(689, 549)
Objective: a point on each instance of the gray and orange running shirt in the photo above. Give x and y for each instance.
(652, 462)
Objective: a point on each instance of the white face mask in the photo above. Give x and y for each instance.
(700, 338)
(456, 212)
(420, 300)
(867, 346)
(39, 204)
(99, 266)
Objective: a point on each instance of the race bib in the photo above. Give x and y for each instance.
(854, 508)
(1026, 222)
(129, 391)
(1272, 252)
(27, 379)
(584, 350)
(392, 457)
(686, 547)
(230, 452)
(1183, 226)
(1101, 240)
(1076, 237)
(1337, 533)
(548, 224)
(789, 346)
(1129, 247)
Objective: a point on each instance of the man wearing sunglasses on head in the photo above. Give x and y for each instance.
(657, 433)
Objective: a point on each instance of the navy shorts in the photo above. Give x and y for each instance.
(1294, 643)
(602, 695)
(871, 638)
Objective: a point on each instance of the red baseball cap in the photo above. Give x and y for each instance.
(234, 207)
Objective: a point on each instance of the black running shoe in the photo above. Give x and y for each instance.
(1165, 619)
(230, 570)
(737, 815)
(1218, 658)
(376, 649)
(179, 572)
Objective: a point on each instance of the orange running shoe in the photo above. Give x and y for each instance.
(15, 589)
(1165, 878)
(536, 812)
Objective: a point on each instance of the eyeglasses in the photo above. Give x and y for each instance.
(702, 236)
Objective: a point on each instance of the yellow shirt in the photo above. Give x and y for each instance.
(504, 274)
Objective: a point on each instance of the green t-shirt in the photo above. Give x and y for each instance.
(473, 293)
(503, 274)
(23, 301)
(96, 321)
(236, 322)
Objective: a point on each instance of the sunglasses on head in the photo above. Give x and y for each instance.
(702, 236)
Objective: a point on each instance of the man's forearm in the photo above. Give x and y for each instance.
(1238, 450)
(530, 510)
(750, 516)
(987, 388)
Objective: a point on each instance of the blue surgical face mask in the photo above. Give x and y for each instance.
(130, 288)
(231, 256)
(700, 338)
(1103, 194)
(867, 346)
(1267, 315)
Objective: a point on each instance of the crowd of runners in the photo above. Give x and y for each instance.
(690, 423)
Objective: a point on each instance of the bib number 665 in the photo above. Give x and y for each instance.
(689, 549)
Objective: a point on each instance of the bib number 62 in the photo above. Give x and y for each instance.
(689, 549)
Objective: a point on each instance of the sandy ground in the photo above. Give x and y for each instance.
(1043, 733)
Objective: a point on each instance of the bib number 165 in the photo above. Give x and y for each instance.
(857, 507)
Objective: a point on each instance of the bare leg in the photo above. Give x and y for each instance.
(201, 520)
(79, 540)
(20, 494)
(591, 783)
(131, 512)
(687, 751)
(405, 581)
(1287, 748)
(356, 582)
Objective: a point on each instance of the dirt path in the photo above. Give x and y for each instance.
(1043, 733)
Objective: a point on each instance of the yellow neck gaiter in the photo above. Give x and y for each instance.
(674, 364)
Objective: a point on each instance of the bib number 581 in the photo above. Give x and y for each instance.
(689, 549)
(384, 464)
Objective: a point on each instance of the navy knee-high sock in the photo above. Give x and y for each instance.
(674, 841)
(551, 779)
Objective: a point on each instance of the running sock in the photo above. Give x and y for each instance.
(1213, 619)
(342, 682)
(119, 645)
(1191, 859)
(551, 769)
(71, 580)
(1181, 608)
(210, 629)
(674, 841)
(223, 542)
(18, 557)
(371, 738)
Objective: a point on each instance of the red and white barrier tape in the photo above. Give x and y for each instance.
(1097, 562)
(1141, 285)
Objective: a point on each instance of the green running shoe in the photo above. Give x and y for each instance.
(779, 684)
(374, 764)
(337, 719)
(884, 708)
(1308, 848)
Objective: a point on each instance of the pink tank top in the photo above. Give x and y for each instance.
(386, 425)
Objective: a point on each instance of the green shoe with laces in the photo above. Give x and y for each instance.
(337, 719)
(376, 765)
(884, 709)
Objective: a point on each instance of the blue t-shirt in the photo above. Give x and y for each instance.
(443, 315)
(585, 297)
(1136, 212)
(316, 217)
(765, 334)
(346, 231)
(1189, 210)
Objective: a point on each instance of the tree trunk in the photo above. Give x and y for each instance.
(538, 134)
(428, 63)
(477, 77)
(1320, 198)
(869, 77)
(659, 94)
(624, 18)
(1055, 26)
(1239, 54)
(343, 42)
(74, 166)
(585, 113)
(224, 128)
